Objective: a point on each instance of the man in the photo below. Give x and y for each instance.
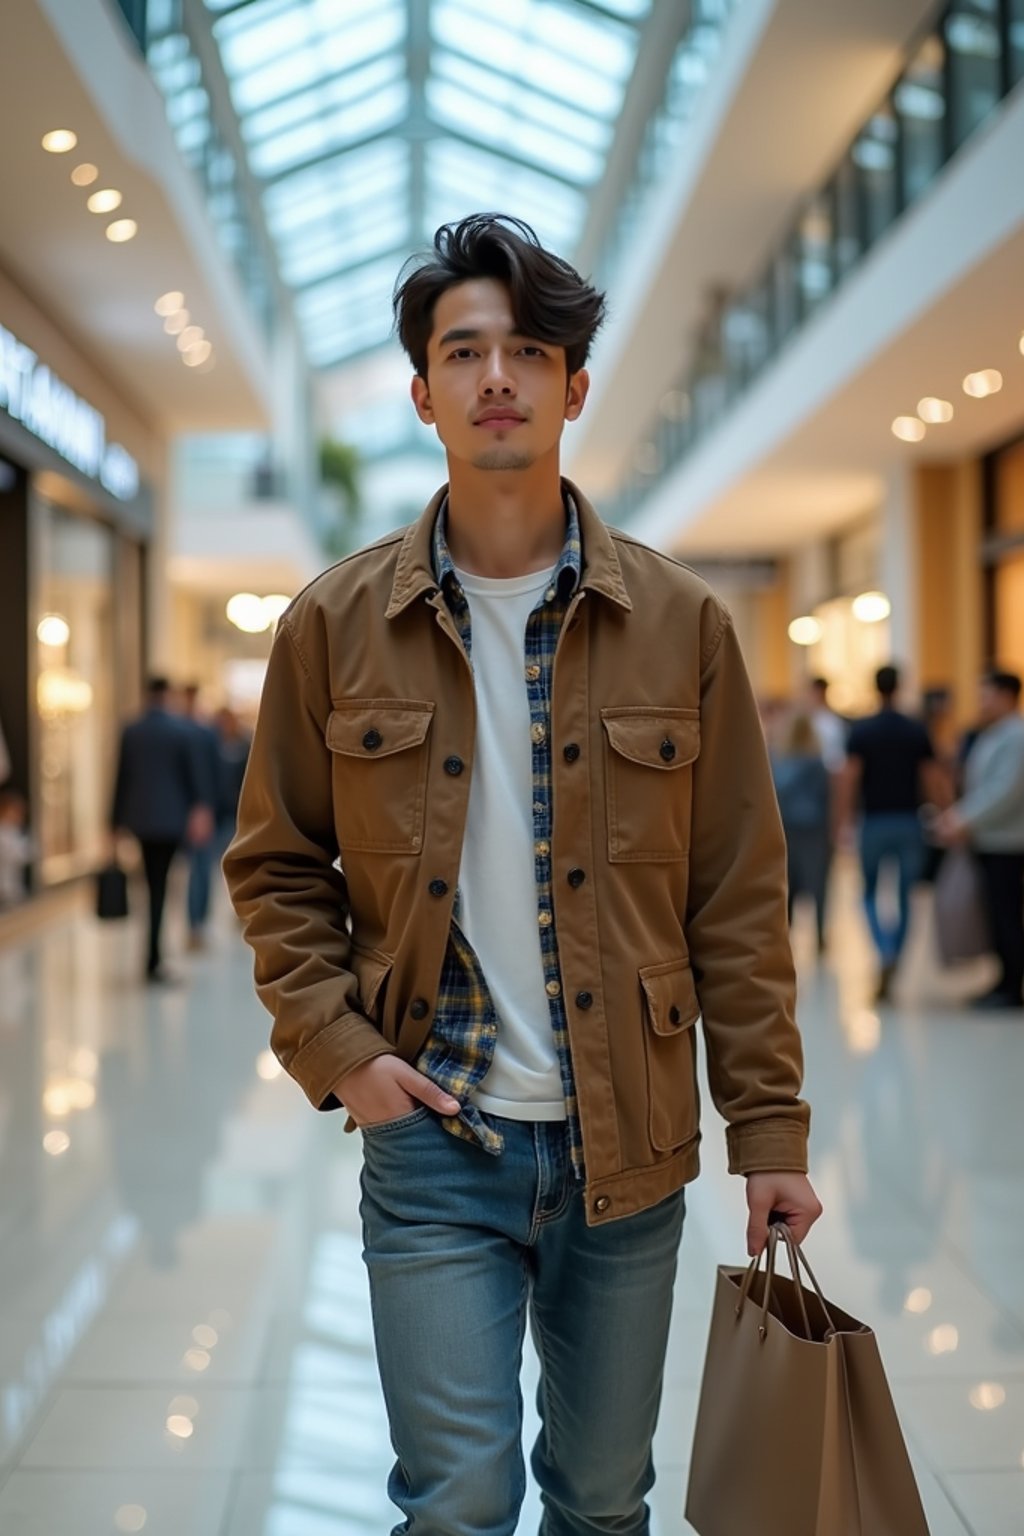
(159, 796)
(990, 817)
(891, 768)
(201, 854)
(532, 744)
(829, 727)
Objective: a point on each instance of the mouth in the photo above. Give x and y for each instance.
(500, 421)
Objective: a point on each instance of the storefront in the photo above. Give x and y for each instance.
(1003, 556)
(76, 515)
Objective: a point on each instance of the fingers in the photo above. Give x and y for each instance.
(421, 1088)
(757, 1226)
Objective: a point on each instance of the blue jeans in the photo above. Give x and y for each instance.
(892, 836)
(461, 1247)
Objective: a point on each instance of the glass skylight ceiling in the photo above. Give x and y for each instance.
(370, 122)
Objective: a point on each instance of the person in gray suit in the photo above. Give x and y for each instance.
(990, 817)
(160, 797)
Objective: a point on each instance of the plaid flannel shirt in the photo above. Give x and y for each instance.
(460, 1048)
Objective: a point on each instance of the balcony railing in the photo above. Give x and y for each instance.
(953, 81)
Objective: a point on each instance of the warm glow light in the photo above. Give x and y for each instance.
(53, 630)
(919, 1300)
(180, 1426)
(247, 613)
(864, 1031)
(176, 323)
(204, 1335)
(871, 607)
(805, 630)
(986, 1396)
(56, 1142)
(197, 355)
(122, 230)
(910, 429)
(275, 604)
(267, 1066)
(130, 1517)
(934, 411)
(60, 691)
(85, 1063)
(105, 201)
(1020, 343)
(84, 175)
(56, 1102)
(197, 1359)
(59, 140)
(64, 1094)
(185, 1405)
(989, 381)
(190, 337)
(169, 303)
(943, 1340)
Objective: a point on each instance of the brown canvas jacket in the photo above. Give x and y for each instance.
(662, 796)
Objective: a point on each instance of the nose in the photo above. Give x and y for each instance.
(495, 378)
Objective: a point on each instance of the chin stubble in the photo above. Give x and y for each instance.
(503, 458)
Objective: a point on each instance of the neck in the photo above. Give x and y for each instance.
(504, 523)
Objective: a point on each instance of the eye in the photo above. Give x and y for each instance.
(534, 351)
(461, 352)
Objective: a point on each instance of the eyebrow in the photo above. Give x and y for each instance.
(474, 335)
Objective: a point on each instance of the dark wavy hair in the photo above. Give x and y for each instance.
(550, 300)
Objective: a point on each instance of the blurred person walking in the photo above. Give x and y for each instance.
(201, 855)
(890, 771)
(16, 848)
(990, 819)
(162, 797)
(829, 728)
(803, 787)
(233, 746)
(462, 870)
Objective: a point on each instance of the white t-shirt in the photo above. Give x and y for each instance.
(497, 879)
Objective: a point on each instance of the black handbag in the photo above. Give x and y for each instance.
(111, 893)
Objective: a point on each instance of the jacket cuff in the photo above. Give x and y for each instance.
(767, 1146)
(337, 1049)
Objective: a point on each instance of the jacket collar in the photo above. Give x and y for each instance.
(414, 573)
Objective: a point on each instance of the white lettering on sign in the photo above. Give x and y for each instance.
(32, 394)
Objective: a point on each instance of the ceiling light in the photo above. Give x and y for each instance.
(197, 354)
(190, 336)
(53, 630)
(919, 1300)
(989, 381)
(910, 429)
(175, 324)
(805, 630)
(122, 230)
(105, 201)
(987, 1395)
(247, 613)
(935, 412)
(169, 303)
(871, 607)
(84, 175)
(59, 141)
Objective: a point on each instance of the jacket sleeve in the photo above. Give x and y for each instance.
(1001, 789)
(736, 922)
(287, 889)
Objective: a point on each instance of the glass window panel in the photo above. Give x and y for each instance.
(1016, 33)
(813, 253)
(848, 238)
(321, 97)
(452, 107)
(471, 34)
(258, 46)
(920, 102)
(874, 155)
(382, 109)
(337, 247)
(322, 54)
(507, 91)
(972, 38)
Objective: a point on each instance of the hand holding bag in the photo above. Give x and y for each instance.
(796, 1430)
(111, 893)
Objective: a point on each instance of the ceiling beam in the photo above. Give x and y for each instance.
(419, 51)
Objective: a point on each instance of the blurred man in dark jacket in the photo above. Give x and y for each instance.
(202, 854)
(160, 798)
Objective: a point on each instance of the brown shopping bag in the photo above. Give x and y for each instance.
(961, 914)
(796, 1431)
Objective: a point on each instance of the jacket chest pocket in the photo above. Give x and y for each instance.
(649, 755)
(379, 751)
(671, 1010)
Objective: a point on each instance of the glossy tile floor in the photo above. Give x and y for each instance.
(184, 1333)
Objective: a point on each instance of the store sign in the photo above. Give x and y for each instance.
(32, 394)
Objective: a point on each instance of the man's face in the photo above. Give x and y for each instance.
(992, 703)
(498, 400)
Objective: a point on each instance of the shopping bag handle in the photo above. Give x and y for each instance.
(797, 1258)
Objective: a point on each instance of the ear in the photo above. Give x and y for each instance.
(576, 395)
(421, 400)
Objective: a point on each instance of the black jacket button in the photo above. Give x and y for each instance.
(571, 752)
(372, 740)
(419, 1008)
(438, 888)
(576, 877)
(667, 750)
(584, 1000)
(674, 1015)
(453, 765)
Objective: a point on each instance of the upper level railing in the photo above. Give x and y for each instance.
(953, 81)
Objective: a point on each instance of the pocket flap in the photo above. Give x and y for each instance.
(671, 996)
(657, 738)
(377, 727)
